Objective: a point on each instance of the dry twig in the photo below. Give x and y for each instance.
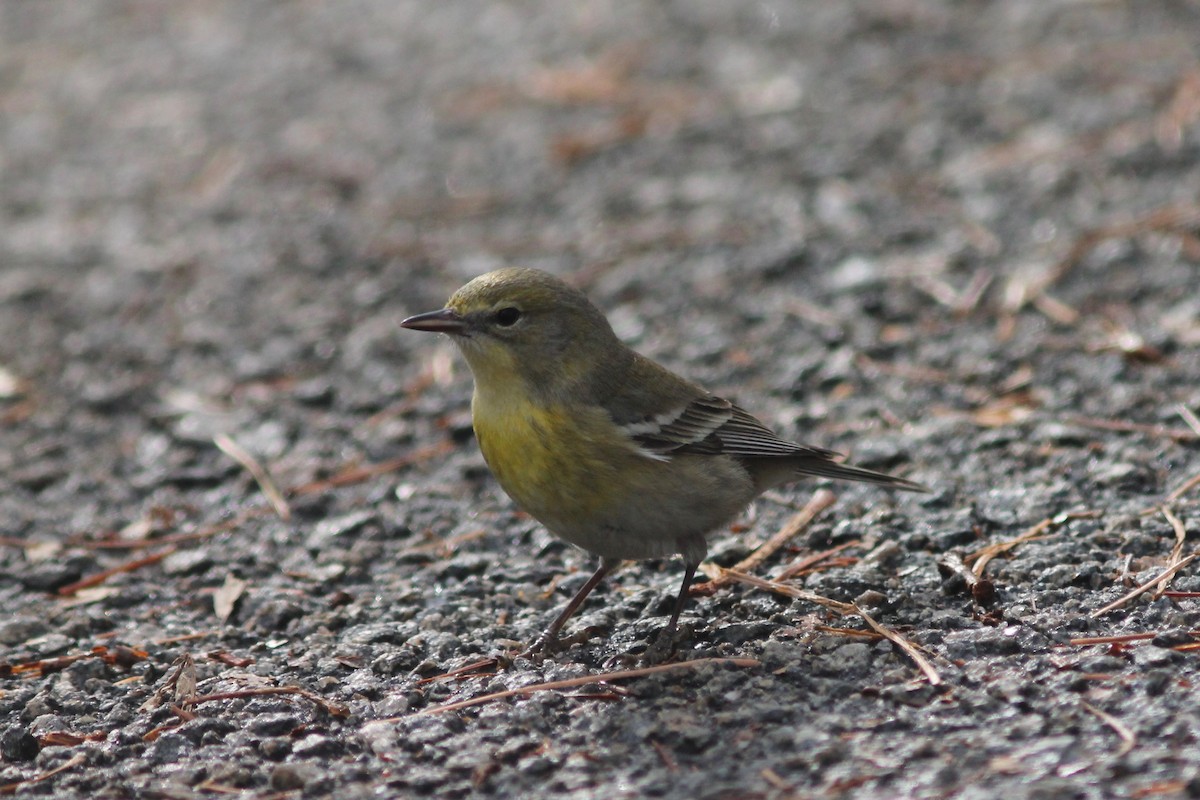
(1128, 739)
(843, 608)
(120, 656)
(178, 538)
(983, 591)
(1180, 113)
(1122, 639)
(664, 755)
(70, 763)
(1184, 488)
(804, 564)
(333, 708)
(1189, 417)
(787, 590)
(1024, 289)
(358, 474)
(821, 500)
(472, 670)
(960, 301)
(1174, 434)
(1149, 585)
(904, 644)
(270, 490)
(570, 683)
(1177, 550)
(980, 558)
(849, 632)
(101, 577)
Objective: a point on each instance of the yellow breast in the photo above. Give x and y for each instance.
(555, 464)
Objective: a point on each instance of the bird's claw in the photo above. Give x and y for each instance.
(545, 645)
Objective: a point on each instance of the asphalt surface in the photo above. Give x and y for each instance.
(958, 241)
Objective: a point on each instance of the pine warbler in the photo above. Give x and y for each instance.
(604, 447)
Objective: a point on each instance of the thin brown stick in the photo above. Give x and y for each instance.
(1184, 488)
(119, 655)
(215, 787)
(332, 708)
(1056, 310)
(472, 670)
(1175, 434)
(70, 763)
(960, 301)
(775, 779)
(970, 296)
(13, 541)
(843, 608)
(821, 500)
(1149, 585)
(1128, 739)
(982, 590)
(182, 713)
(904, 644)
(620, 675)
(811, 312)
(1128, 637)
(1024, 288)
(1180, 534)
(1169, 219)
(941, 291)
(101, 577)
(664, 755)
(787, 590)
(1189, 417)
(270, 490)
(1176, 551)
(906, 371)
(354, 475)
(849, 632)
(980, 558)
(444, 548)
(178, 538)
(796, 567)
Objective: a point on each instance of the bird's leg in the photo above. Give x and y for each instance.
(689, 572)
(549, 638)
(665, 644)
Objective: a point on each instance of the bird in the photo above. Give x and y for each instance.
(606, 448)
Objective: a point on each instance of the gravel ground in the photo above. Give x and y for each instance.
(956, 240)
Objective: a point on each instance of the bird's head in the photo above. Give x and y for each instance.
(527, 323)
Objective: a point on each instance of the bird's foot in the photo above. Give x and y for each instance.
(544, 646)
(665, 646)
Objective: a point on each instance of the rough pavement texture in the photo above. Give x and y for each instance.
(959, 240)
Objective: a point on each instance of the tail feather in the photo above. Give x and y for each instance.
(824, 468)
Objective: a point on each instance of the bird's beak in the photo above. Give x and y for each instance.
(445, 320)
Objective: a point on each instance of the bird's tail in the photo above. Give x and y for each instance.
(826, 468)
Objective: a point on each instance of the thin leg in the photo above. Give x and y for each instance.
(689, 572)
(550, 637)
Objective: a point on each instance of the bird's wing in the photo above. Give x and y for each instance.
(685, 419)
(692, 427)
(666, 415)
(744, 436)
(710, 425)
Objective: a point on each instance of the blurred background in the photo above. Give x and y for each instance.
(957, 239)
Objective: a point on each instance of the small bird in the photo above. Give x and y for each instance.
(609, 450)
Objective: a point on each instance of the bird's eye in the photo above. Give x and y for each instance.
(507, 317)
